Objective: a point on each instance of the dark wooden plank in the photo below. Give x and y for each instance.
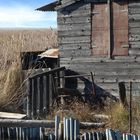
(134, 43)
(134, 24)
(70, 13)
(74, 33)
(134, 51)
(74, 20)
(50, 90)
(110, 71)
(41, 96)
(134, 4)
(79, 39)
(77, 6)
(71, 27)
(47, 72)
(78, 14)
(45, 92)
(65, 4)
(99, 59)
(38, 97)
(75, 53)
(27, 123)
(90, 65)
(134, 10)
(74, 46)
(29, 96)
(134, 17)
(134, 31)
(134, 38)
(33, 103)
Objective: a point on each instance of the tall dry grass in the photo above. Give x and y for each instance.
(12, 42)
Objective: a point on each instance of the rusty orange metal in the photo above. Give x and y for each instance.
(100, 25)
(120, 28)
(101, 29)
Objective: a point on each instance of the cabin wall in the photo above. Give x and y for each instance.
(74, 31)
(74, 38)
(134, 28)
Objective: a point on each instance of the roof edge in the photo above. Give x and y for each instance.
(49, 7)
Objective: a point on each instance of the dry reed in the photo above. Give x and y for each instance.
(12, 42)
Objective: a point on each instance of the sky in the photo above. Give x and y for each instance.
(22, 14)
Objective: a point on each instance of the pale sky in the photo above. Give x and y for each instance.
(22, 14)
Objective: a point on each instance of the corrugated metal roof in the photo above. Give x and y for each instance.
(51, 53)
(49, 7)
(54, 6)
(65, 4)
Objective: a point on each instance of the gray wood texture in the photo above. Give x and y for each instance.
(74, 39)
(134, 28)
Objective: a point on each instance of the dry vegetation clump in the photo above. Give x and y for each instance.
(78, 110)
(12, 42)
(11, 92)
(119, 117)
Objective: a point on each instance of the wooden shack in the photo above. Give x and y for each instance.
(102, 36)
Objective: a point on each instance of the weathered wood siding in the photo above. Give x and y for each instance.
(74, 30)
(74, 37)
(134, 28)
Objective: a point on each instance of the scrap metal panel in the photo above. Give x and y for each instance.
(100, 29)
(120, 28)
(110, 19)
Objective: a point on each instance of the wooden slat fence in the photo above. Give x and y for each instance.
(42, 92)
(68, 129)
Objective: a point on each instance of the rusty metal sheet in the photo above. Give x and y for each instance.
(120, 28)
(100, 29)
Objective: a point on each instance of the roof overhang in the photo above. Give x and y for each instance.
(49, 7)
(57, 5)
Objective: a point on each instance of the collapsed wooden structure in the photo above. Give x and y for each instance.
(102, 36)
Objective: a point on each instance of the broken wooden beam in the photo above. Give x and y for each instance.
(26, 123)
(43, 123)
(12, 115)
(85, 125)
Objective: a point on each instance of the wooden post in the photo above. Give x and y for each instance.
(93, 85)
(109, 28)
(130, 109)
(29, 98)
(50, 90)
(122, 94)
(62, 80)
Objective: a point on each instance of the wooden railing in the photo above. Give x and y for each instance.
(41, 92)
